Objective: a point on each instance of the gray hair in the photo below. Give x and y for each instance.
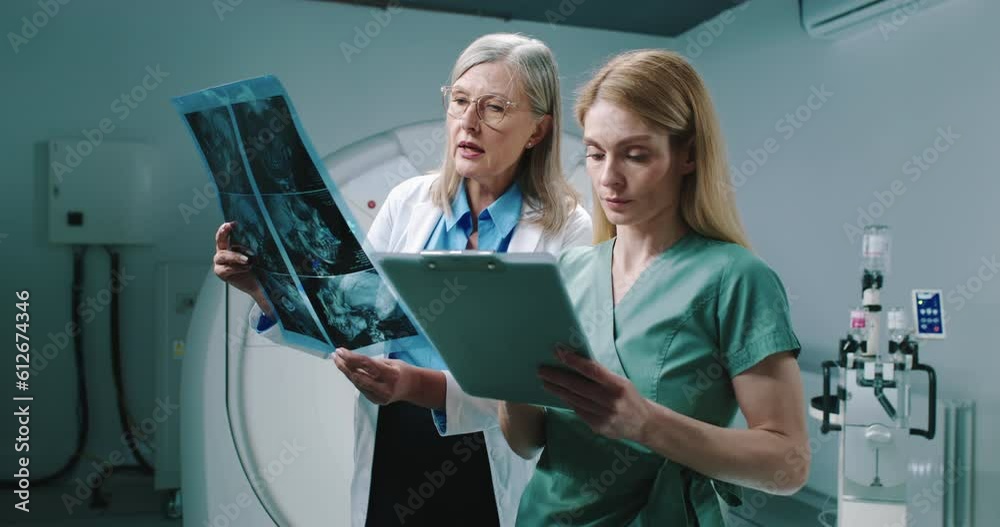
(539, 174)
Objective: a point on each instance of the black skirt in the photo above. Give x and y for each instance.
(422, 479)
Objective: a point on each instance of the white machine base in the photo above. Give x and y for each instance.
(871, 514)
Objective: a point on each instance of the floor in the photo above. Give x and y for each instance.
(133, 502)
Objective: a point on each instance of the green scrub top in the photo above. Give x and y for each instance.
(702, 312)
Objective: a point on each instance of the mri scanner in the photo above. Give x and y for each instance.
(267, 432)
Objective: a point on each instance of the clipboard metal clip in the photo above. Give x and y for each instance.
(432, 264)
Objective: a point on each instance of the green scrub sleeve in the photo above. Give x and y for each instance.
(753, 314)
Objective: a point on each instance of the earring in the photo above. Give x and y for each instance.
(529, 144)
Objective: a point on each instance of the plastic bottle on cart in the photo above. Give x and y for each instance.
(897, 324)
(898, 331)
(859, 326)
(875, 249)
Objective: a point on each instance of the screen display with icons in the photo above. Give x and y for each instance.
(928, 313)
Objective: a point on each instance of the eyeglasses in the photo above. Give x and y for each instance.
(490, 108)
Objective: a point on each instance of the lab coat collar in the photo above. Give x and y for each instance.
(425, 216)
(528, 235)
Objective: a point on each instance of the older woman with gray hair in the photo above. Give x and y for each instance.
(426, 452)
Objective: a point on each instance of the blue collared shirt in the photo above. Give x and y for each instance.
(496, 223)
(496, 226)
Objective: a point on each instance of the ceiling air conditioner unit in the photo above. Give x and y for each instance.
(839, 18)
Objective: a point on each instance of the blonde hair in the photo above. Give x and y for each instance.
(539, 172)
(664, 89)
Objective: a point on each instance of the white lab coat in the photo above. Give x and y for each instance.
(404, 224)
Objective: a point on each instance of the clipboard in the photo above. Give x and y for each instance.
(493, 317)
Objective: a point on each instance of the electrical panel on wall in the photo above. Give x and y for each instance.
(100, 193)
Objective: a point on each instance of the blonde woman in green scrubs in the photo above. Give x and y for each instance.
(685, 323)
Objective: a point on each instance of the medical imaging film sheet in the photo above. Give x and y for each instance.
(291, 220)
